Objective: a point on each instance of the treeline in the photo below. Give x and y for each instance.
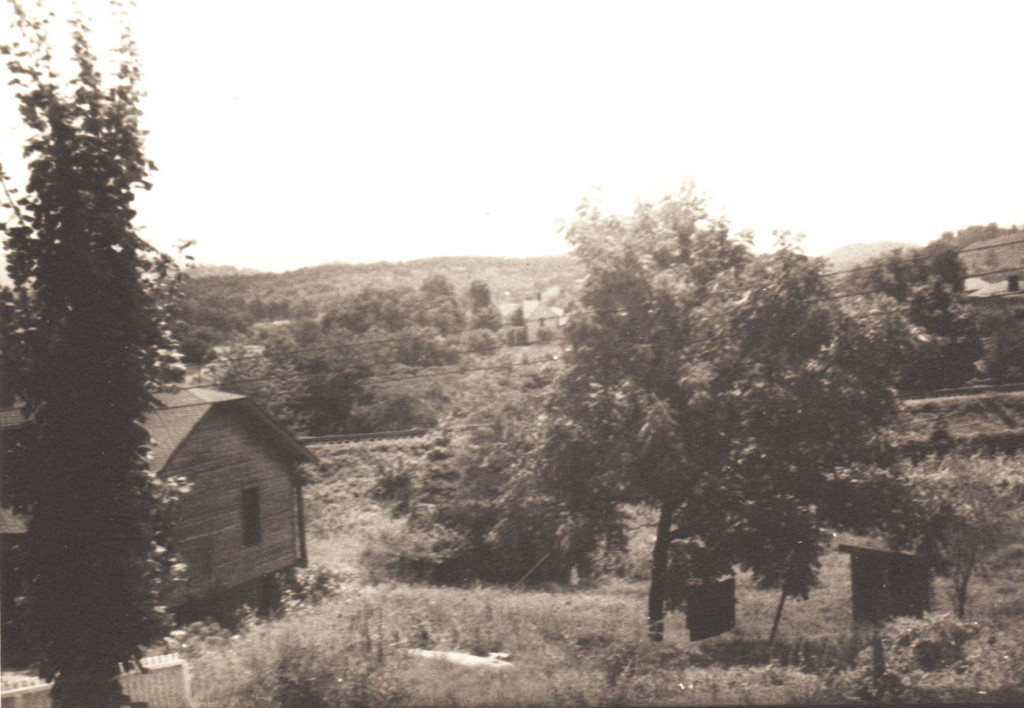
(958, 341)
(353, 369)
(219, 309)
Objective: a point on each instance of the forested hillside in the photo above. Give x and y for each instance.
(984, 238)
(856, 254)
(333, 338)
(314, 290)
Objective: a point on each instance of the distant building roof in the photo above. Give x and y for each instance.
(532, 309)
(978, 288)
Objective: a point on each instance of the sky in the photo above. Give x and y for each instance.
(293, 134)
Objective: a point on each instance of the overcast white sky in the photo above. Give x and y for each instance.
(297, 133)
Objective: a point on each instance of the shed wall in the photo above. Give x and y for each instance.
(222, 456)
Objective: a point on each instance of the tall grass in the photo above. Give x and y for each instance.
(586, 645)
(567, 647)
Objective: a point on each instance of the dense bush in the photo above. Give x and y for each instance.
(938, 659)
(302, 662)
(962, 510)
(309, 586)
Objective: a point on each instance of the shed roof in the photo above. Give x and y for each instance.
(980, 288)
(179, 412)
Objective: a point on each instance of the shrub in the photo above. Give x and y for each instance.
(938, 658)
(968, 509)
(309, 586)
(397, 551)
(303, 662)
(194, 639)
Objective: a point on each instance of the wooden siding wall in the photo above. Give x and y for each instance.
(221, 457)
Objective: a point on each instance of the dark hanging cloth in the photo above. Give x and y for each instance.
(710, 608)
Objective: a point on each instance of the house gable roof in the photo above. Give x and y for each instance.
(181, 411)
(531, 309)
(507, 309)
(178, 414)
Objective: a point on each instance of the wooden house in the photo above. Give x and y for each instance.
(243, 519)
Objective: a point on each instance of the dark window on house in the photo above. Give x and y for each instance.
(251, 516)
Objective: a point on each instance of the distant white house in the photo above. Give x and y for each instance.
(1002, 295)
(537, 317)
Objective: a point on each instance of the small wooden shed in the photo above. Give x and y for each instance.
(887, 584)
(243, 520)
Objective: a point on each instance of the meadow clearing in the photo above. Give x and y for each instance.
(348, 636)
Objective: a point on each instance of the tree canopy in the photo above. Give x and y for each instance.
(726, 388)
(89, 339)
(929, 283)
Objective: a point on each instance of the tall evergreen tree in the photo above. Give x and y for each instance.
(90, 337)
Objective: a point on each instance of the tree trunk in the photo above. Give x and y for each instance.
(659, 575)
(961, 580)
(960, 592)
(778, 617)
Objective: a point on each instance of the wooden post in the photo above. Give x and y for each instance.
(778, 616)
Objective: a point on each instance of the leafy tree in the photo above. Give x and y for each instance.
(485, 315)
(929, 283)
(479, 295)
(474, 500)
(440, 308)
(89, 342)
(197, 345)
(487, 318)
(312, 380)
(1004, 345)
(437, 286)
(962, 510)
(388, 309)
(724, 388)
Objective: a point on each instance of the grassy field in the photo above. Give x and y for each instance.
(586, 645)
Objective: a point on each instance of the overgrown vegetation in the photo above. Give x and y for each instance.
(462, 505)
(587, 646)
